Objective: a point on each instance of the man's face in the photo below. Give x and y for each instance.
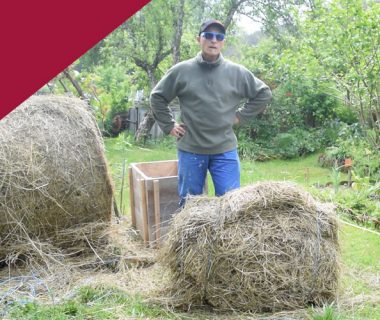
(210, 48)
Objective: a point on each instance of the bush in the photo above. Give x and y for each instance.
(352, 143)
(302, 103)
(287, 145)
(301, 119)
(296, 142)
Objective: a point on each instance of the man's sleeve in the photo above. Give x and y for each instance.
(162, 94)
(259, 96)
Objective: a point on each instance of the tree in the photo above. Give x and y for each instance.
(278, 17)
(147, 41)
(179, 31)
(345, 38)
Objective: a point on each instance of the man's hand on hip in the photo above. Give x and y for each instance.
(178, 130)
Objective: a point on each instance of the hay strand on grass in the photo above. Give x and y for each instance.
(53, 173)
(267, 247)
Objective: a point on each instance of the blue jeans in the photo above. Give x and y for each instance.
(224, 169)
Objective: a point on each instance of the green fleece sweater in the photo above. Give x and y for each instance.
(209, 96)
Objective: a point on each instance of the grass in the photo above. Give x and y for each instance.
(360, 251)
(92, 303)
(361, 263)
(304, 171)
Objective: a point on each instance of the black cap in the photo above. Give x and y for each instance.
(214, 22)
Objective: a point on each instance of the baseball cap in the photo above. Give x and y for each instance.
(211, 22)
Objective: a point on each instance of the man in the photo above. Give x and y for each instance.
(210, 89)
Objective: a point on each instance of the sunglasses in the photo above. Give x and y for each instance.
(211, 35)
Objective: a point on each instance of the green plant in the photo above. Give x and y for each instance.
(327, 313)
(335, 176)
(358, 203)
(97, 302)
(166, 142)
(123, 141)
(352, 143)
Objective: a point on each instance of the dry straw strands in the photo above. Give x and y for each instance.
(265, 247)
(53, 173)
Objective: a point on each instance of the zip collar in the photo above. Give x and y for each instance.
(201, 61)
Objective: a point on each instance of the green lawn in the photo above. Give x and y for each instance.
(361, 272)
(360, 249)
(304, 171)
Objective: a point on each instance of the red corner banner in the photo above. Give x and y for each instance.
(40, 38)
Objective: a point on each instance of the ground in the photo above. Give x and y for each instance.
(137, 277)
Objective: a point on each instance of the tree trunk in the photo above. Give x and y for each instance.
(74, 83)
(63, 85)
(147, 123)
(152, 77)
(233, 8)
(178, 34)
(145, 126)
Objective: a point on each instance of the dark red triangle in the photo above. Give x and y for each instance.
(40, 38)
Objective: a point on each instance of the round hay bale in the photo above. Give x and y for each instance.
(53, 173)
(266, 247)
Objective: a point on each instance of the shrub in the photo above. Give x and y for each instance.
(302, 103)
(352, 143)
(300, 120)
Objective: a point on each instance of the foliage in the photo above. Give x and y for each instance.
(305, 102)
(283, 145)
(351, 143)
(361, 203)
(343, 36)
(304, 112)
(109, 90)
(145, 41)
(164, 143)
(91, 59)
(326, 73)
(327, 313)
(335, 177)
(358, 203)
(295, 142)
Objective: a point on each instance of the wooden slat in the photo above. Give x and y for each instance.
(157, 212)
(144, 212)
(132, 197)
(157, 169)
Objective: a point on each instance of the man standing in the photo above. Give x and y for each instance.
(210, 89)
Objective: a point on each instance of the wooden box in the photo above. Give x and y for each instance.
(153, 197)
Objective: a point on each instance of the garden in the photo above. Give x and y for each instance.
(321, 131)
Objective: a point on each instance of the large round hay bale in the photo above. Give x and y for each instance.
(265, 247)
(53, 173)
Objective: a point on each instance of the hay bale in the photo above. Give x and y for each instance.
(266, 247)
(53, 173)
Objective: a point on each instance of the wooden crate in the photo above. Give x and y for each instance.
(153, 197)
